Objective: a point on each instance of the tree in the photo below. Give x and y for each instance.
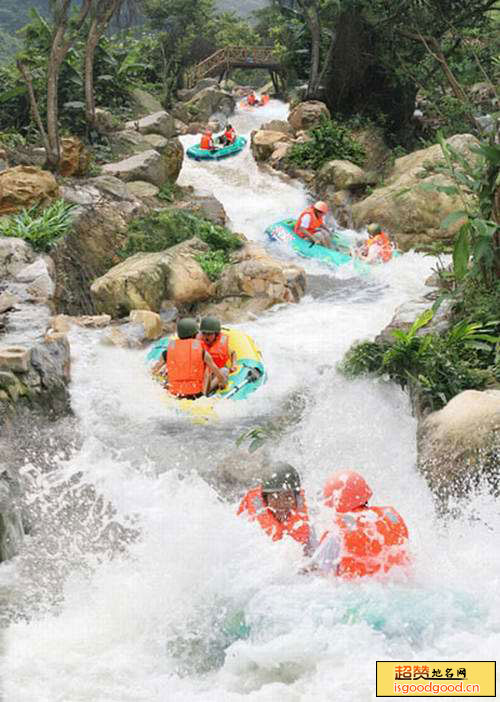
(101, 13)
(66, 30)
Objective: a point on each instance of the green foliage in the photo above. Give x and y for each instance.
(330, 140)
(213, 263)
(161, 230)
(438, 366)
(41, 228)
(476, 251)
(168, 192)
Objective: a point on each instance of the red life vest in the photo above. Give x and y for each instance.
(230, 135)
(382, 240)
(185, 367)
(296, 525)
(315, 223)
(373, 539)
(251, 99)
(206, 142)
(219, 350)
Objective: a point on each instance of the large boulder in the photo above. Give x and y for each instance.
(91, 248)
(252, 284)
(186, 94)
(342, 175)
(173, 157)
(377, 153)
(144, 103)
(75, 158)
(308, 114)
(148, 165)
(146, 280)
(413, 214)
(24, 186)
(209, 101)
(157, 123)
(278, 125)
(15, 253)
(36, 377)
(206, 206)
(459, 446)
(128, 142)
(265, 142)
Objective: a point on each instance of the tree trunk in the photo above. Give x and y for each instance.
(310, 10)
(57, 54)
(90, 47)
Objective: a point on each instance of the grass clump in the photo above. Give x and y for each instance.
(329, 140)
(161, 230)
(40, 227)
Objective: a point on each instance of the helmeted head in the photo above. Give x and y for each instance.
(321, 206)
(346, 491)
(229, 126)
(282, 478)
(208, 131)
(210, 325)
(187, 328)
(374, 228)
(280, 490)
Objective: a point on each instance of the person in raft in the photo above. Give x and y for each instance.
(310, 225)
(252, 99)
(279, 507)
(187, 366)
(207, 141)
(217, 345)
(228, 136)
(362, 540)
(378, 247)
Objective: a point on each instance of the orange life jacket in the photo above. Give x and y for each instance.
(296, 526)
(373, 539)
(230, 135)
(219, 350)
(251, 99)
(185, 367)
(383, 241)
(315, 223)
(206, 142)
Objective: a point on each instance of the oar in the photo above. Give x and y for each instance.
(252, 375)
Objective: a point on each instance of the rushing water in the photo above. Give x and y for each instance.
(142, 585)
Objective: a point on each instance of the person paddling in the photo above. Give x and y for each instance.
(278, 505)
(229, 136)
(310, 225)
(362, 540)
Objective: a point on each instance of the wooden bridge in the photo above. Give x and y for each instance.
(223, 61)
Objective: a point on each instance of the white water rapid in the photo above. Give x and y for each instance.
(137, 585)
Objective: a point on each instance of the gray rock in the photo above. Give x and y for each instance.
(141, 189)
(7, 301)
(15, 253)
(156, 141)
(157, 123)
(149, 166)
(112, 186)
(144, 102)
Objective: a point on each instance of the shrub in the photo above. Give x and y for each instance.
(330, 140)
(41, 228)
(439, 365)
(161, 230)
(213, 262)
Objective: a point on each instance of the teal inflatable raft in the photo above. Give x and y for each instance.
(223, 152)
(283, 231)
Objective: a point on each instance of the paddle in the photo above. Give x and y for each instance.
(252, 375)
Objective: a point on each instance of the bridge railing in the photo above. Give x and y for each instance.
(225, 58)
